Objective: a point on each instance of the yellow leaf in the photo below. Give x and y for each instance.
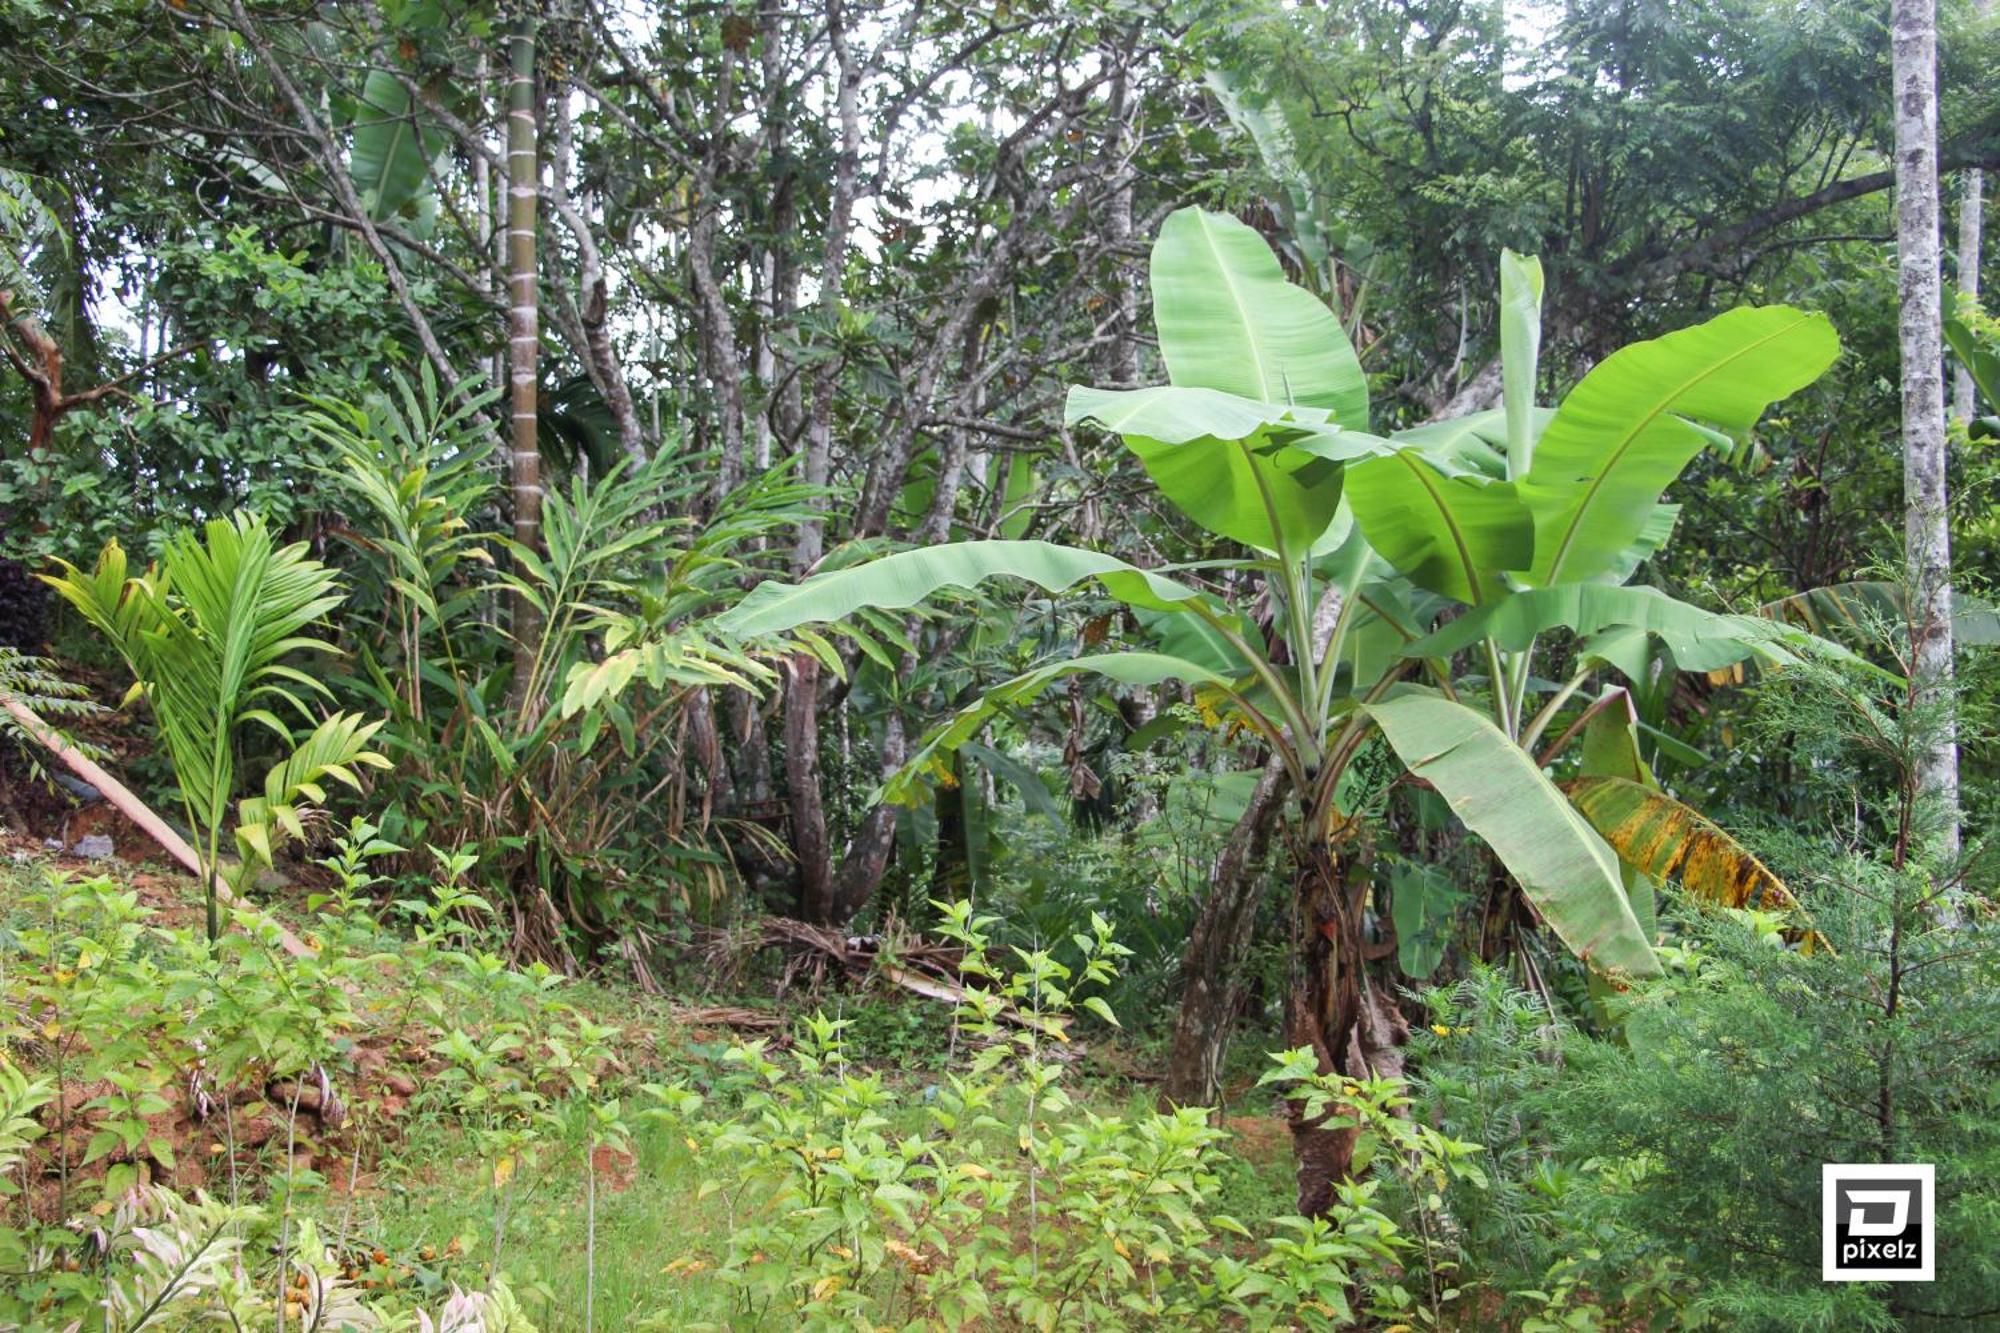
(503, 1171)
(1654, 833)
(826, 1286)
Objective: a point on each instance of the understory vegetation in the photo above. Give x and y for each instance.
(1141, 664)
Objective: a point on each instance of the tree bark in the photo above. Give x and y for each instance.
(1971, 219)
(1353, 1027)
(1926, 526)
(1212, 979)
(808, 813)
(524, 327)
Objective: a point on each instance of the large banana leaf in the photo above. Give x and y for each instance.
(1979, 360)
(1520, 351)
(1176, 414)
(1667, 840)
(391, 157)
(908, 577)
(1475, 443)
(1452, 534)
(1229, 320)
(1499, 793)
(1845, 606)
(909, 785)
(1626, 432)
(1700, 640)
(1264, 474)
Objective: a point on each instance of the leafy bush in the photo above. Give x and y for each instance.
(582, 802)
(1018, 1206)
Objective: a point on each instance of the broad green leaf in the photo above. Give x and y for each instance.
(1195, 640)
(1700, 640)
(1452, 534)
(1520, 352)
(391, 157)
(908, 784)
(1263, 474)
(1229, 320)
(1016, 514)
(1979, 359)
(1500, 794)
(1173, 414)
(1422, 902)
(1475, 443)
(1654, 535)
(1626, 432)
(908, 577)
(1034, 792)
(1610, 745)
(1267, 496)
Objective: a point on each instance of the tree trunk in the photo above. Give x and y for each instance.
(524, 328)
(1211, 966)
(802, 777)
(1352, 1026)
(1926, 529)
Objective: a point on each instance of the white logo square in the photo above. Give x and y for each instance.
(1878, 1222)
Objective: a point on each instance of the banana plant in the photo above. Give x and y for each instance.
(1387, 559)
(210, 635)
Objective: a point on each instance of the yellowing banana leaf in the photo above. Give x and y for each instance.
(1667, 840)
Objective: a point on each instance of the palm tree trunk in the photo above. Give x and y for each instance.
(1926, 530)
(524, 325)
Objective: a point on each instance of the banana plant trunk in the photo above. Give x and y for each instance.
(523, 327)
(1338, 1010)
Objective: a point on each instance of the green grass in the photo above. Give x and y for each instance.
(428, 1197)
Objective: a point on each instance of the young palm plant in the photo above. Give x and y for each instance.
(209, 634)
(1385, 560)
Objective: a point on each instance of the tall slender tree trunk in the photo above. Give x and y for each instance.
(802, 694)
(1926, 526)
(1971, 220)
(523, 326)
(1971, 240)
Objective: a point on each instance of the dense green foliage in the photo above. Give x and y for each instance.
(863, 665)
